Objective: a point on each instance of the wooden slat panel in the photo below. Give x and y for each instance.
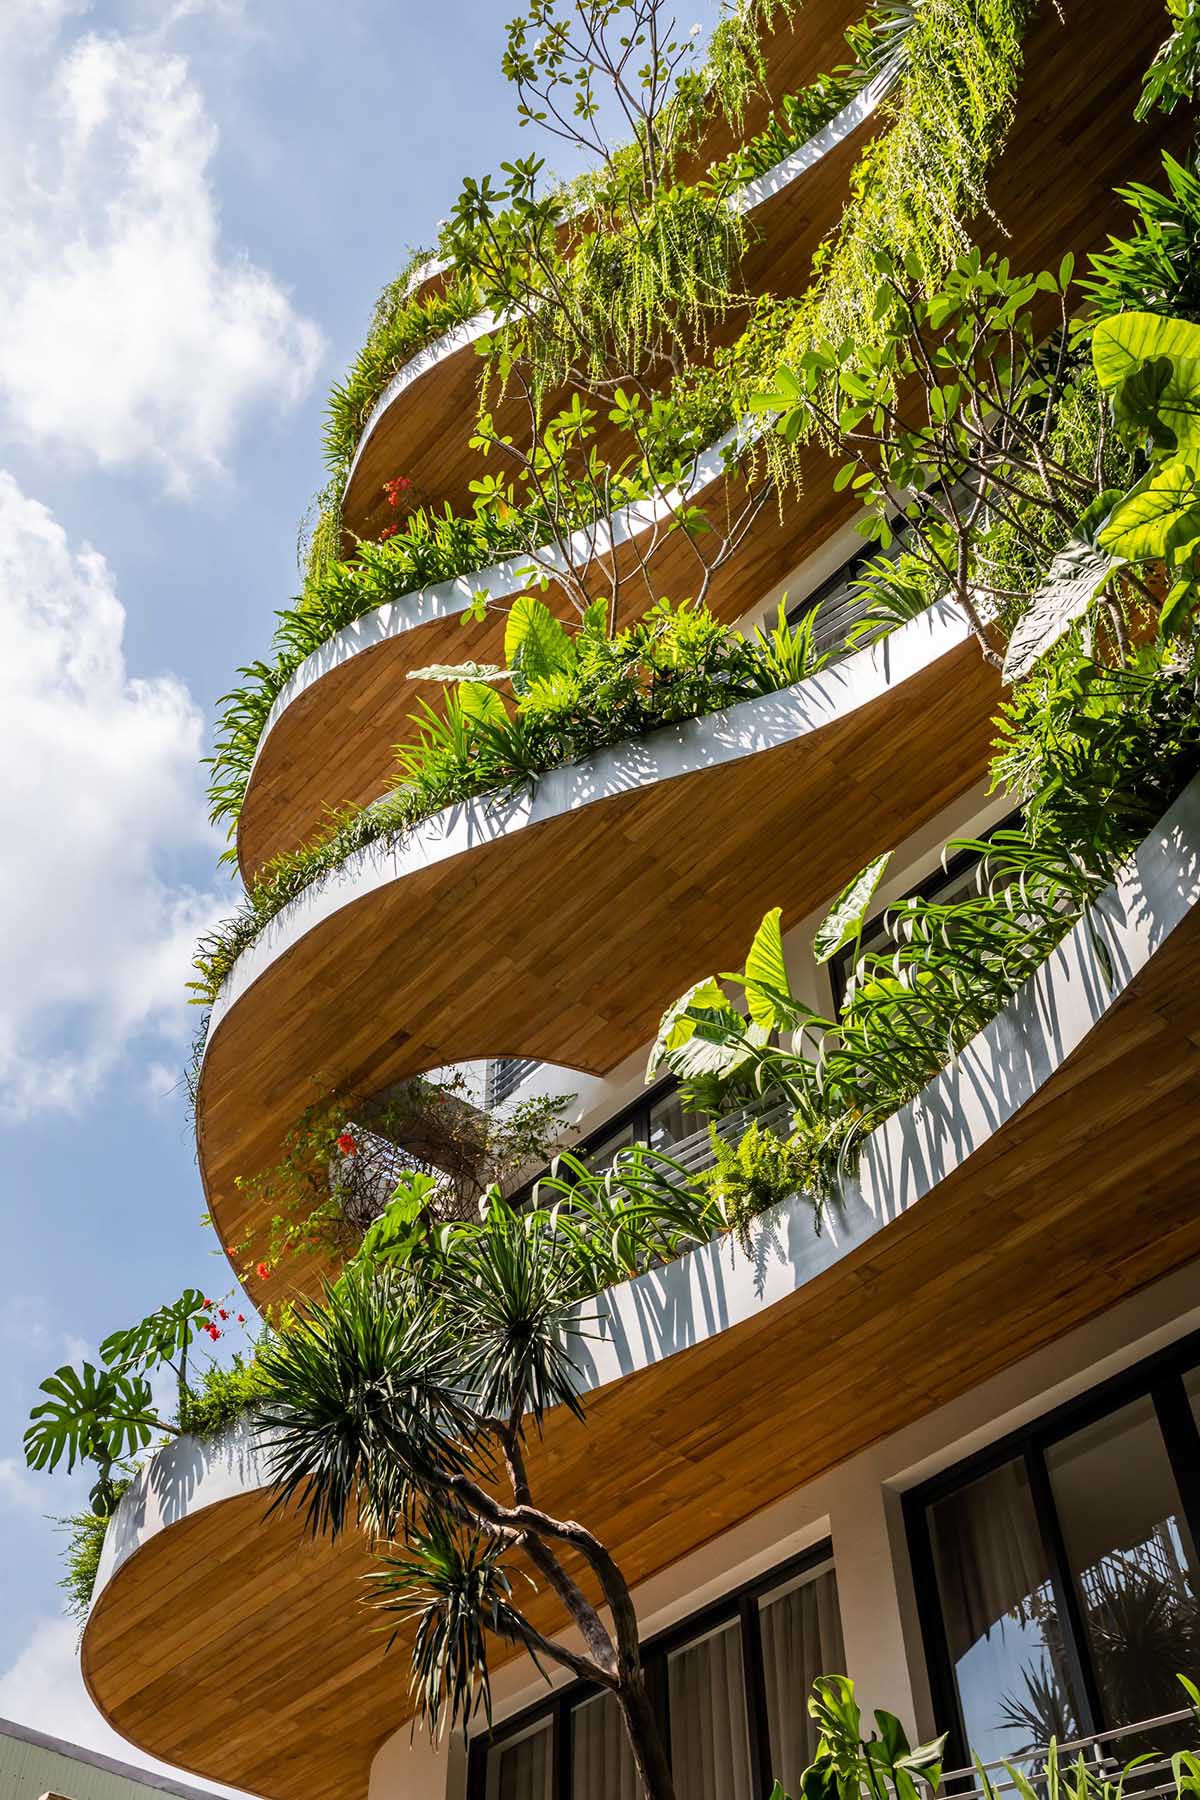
(234, 1648)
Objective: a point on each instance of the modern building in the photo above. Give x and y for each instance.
(947, 1443)
(34, 1766)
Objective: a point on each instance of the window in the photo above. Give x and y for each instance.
(1057, 1574)
(731, 1687)
(505, 1075)
(943, 887)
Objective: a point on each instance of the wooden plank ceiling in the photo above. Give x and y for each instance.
(1074, 139)
(565, 940)
(233, 1648)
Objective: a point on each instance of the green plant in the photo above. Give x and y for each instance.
(407, 1405)
(575, 691)
(1150, 366)
(84, 1548)
(1156, 266)
(1095, 752)
(341, 1162)
(106, 1415)
(1173, 74)
(982, 439)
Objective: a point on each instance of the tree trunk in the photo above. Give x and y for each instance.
(645, 1740)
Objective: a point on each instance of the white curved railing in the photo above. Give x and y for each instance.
(710, 1290)
(715, 739)
(746, 200)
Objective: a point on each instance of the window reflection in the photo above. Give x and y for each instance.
(1132, 1561)
(1002, 1627)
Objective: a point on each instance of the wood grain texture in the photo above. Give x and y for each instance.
(565, 940)
(1073, 140)
(234, 1648)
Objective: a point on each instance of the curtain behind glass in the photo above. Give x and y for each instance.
(1002, 1627)
(710, 1742)
(801, 1639)
(521, 1771)
(602, 1766)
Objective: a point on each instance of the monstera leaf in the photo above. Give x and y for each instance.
(89, 1413)
(160, 1337)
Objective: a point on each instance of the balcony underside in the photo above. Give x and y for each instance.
(1052, 1171)
(331, 735)
(559, 926)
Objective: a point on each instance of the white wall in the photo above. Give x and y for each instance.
(858, 1505)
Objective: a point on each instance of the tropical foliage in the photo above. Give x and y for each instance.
(571, 692)
(105, 1415)
(555, 482)
(342, 1161)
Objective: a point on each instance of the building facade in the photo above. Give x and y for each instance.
(944, 1437)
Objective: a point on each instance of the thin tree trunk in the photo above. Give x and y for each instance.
(645, 1740)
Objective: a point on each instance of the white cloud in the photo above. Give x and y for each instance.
(130, 332)
(102, 783)
(17, 1491)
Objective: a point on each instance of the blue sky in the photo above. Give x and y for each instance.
(199, 200)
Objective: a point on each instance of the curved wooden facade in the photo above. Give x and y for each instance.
(1073, 141)
(531, 929)
(990, 1211)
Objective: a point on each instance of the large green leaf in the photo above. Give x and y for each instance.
(703, 1034)
(478, 701)
(88, 1412)
(1161, 511)
(766, 971)
(1151, 365)
(535, 642)
(846, 916)
(1073, 578)
(158, 1337)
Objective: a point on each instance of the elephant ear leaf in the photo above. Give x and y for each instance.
(700, 1034)
(846, 916)
(536, 644)
(1151, 366)
(769, 996)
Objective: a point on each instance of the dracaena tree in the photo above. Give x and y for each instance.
(405, 1407)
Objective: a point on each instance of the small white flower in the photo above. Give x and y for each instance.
(442, 224)
(695, 31)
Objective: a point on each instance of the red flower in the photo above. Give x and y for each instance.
(231, 1249)
(347, 1145)
(208, 1303)
(221, 1313)
(389, 531)
(262, 1270)
(241, 1318)
(213, 1333)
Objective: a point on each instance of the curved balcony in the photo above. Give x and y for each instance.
(329, 739)
(445, 950)
(422, 422)
(990, 1211)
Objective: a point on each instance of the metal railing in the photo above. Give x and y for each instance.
(1097, 1752)
(695, 1152)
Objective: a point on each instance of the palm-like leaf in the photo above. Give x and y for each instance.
(159, 1336)
(450, 1585)
(361, 1404)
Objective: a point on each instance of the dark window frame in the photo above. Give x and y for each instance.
(740, 1605)
(1159, 1377)
(929, 887)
